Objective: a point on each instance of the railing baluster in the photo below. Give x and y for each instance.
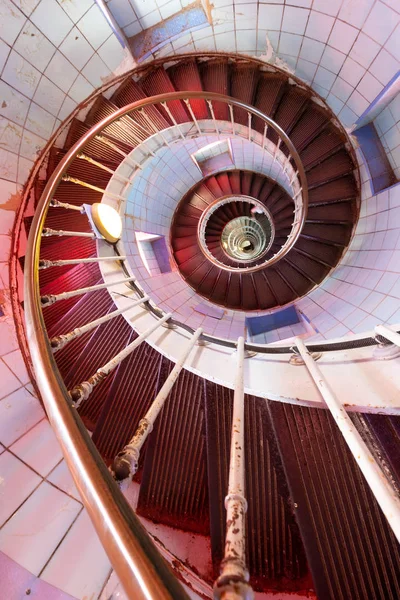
(46, 264)
(82, 391)
(47, 232)
(277, 149)
(232, 118)
(209, 102)
(187, 102)
(90, 160)
(114, 147)
(153, 127)
(52, 298)
(171, 116)
(91, 187)
(249, 115)
(389, 334)
(232, 583)
(265, 135)
(57, 204)
(61, 340)
(293, 178)
(126, 462)
(383, 491)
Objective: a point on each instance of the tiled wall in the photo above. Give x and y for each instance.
(387, 124)
(151, 203)
(365, 289)
(347, 49)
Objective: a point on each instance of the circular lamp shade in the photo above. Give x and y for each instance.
(107, 221)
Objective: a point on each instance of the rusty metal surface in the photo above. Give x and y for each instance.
(350, 547)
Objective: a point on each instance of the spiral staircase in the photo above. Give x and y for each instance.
(312, 521)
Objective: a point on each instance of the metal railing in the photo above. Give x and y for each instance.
(140, 568)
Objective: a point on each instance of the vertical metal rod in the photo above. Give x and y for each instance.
(213, 116)
(389, 334)
(126, 462)
(46, 264)
(232, 583)
(52, 298)
(153, 127)
(187, 102)
(47, 232)
(100, 165)
(57, 204)
(265, 135)
(114, 147)
(249, 115)
(82, 391)
(383, 491)
(171, 116)
(61, 340)
(232, 119)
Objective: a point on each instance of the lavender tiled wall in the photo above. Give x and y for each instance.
(348, 50)
(387, 124)
(365, 289)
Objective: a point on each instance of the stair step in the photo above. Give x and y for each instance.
(130, 92)
(215, 76)
(337, 514)
(174, 490)
(129, 397)
(157, 82)
(185, 76)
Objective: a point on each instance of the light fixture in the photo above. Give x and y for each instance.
(107, 221)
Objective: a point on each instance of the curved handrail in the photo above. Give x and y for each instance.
(142, 572)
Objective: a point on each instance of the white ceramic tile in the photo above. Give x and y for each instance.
(246, 40)
(324, 78)
(133, 29)
(43, 520)
(335, 104)
(81, 89)
(8, 171)
(76, 48)
(75, 9)
(386, 309)
(332, 59)
(342, 36)
(11, 21)
(40, 121)
(369, 87)
(393, 43)
(94, 27)
(341, 89)
(319, 26)
(112, 53)
(151, 19)
(295, 20)
(329, 8)
(52, 20)
(384, 67)
(311, 50)
(13, 105)
(24, 169)
(34, 46)
(355, 13)
(352, 72)
(270, 17)
(66, 109)
(347, 116)
(381, 22)
(49, 96)
(306, 70)
(364, 50)
(95, 71)
(17, 481)
(21, 75)
(18, 413)
(122, 11)
(61, 72)
(9, 382)
(62, 479)
(4, 52)
(31, 145)
(39, 448)
(290, 44)
(10, 136)
(26, 6)
(88, 580)
(357, 103)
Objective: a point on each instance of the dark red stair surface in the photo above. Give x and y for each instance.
(350, 547)
(174, 481)
(275, 552)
